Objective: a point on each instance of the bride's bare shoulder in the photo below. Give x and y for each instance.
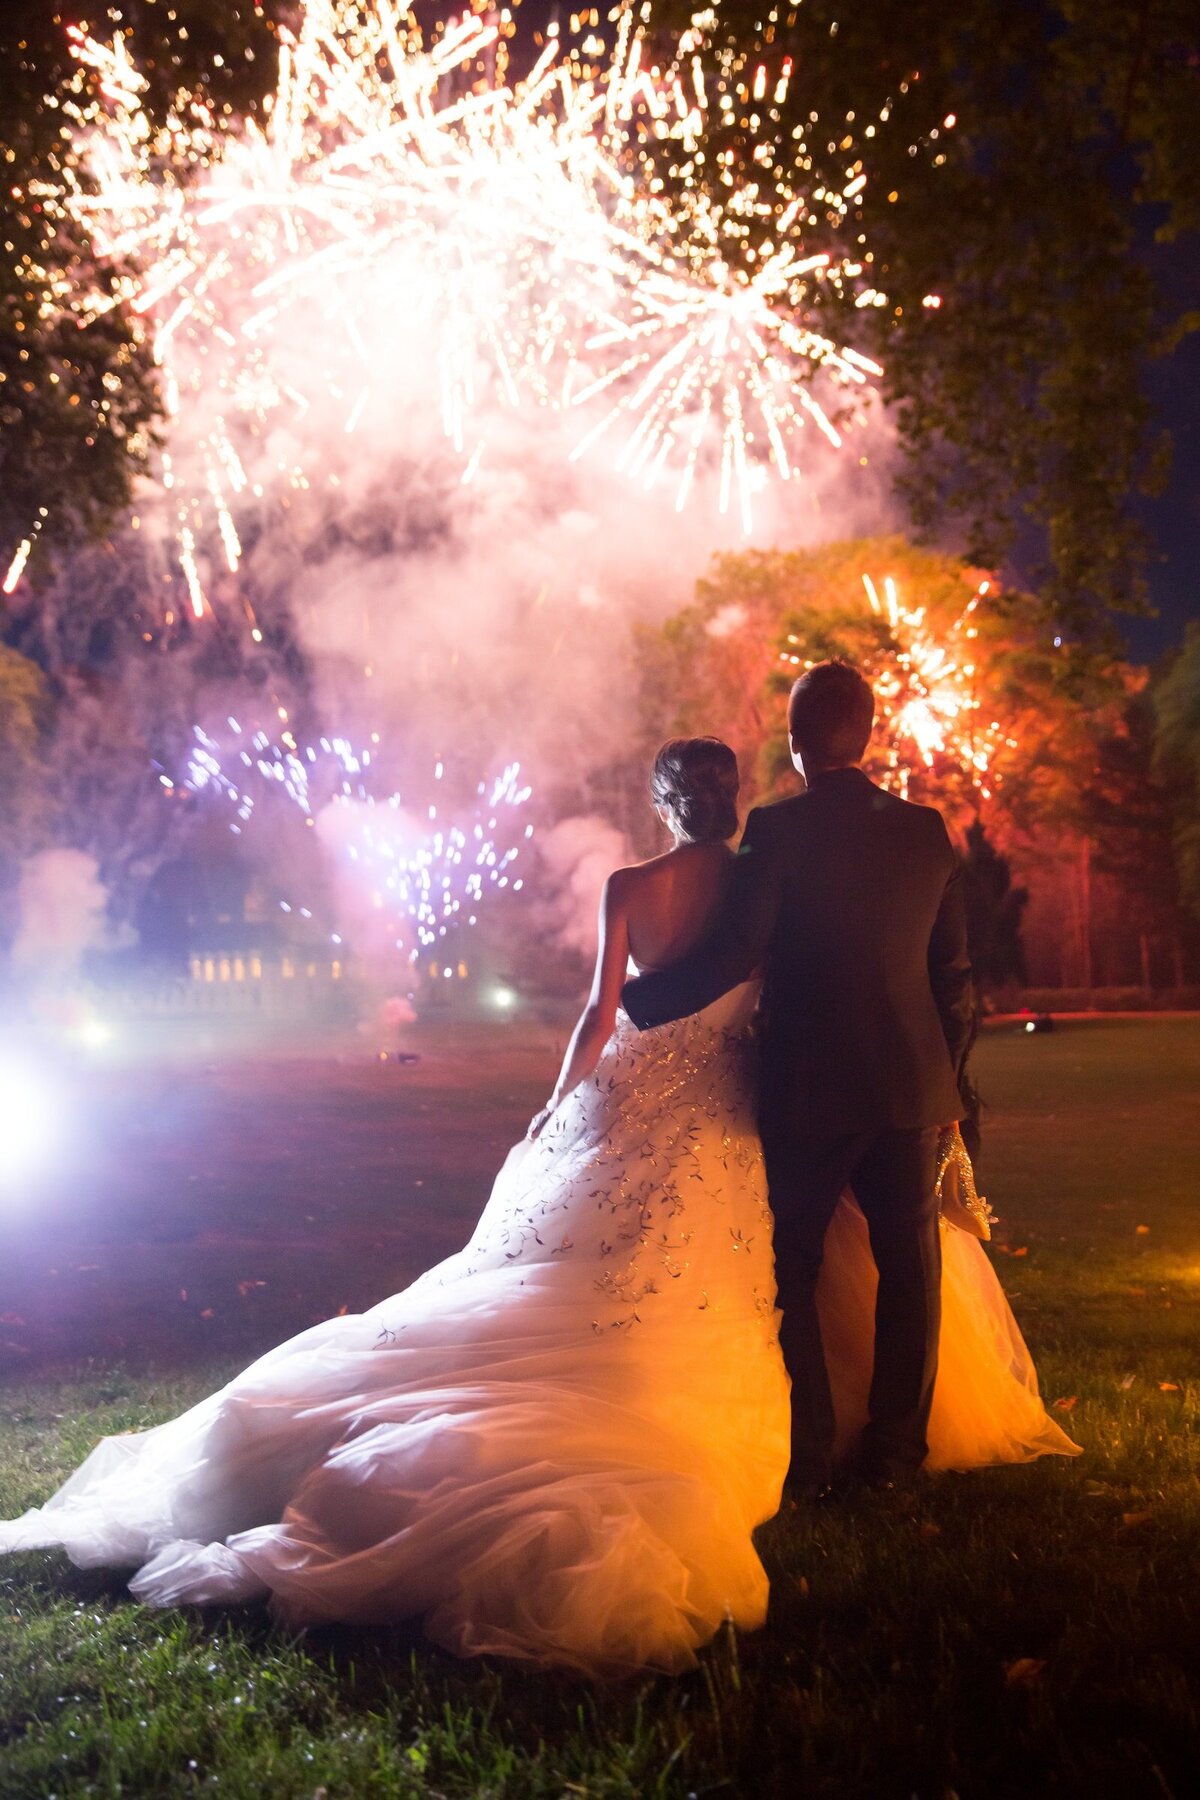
(637, 877)
(670, 878)
(630, 890)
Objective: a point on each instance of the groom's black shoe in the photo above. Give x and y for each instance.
(882, 1478)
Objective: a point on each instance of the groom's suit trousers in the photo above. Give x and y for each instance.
(892, 1173)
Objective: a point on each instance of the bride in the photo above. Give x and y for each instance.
(556, 1444)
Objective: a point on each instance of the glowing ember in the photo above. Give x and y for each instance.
(17, 564)
(553, 238)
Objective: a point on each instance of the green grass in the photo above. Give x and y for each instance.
(1014, 1632)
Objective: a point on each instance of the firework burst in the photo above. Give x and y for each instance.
(551, 238)
(424, 869)
(931, 715)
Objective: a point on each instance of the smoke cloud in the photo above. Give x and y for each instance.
(437, 565)
(578, 855)
(61, 904)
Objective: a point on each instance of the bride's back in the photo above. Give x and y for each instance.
(672, 901)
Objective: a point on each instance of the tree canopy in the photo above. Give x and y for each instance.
(1024, 165)
(1177, 706)
(984, 710)
(79, 398)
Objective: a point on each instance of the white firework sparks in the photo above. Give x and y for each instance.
(427, 868)
(527, 232)
(928, 688)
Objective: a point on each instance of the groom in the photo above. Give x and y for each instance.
(849, 901)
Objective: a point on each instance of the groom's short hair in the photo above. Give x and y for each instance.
(830, 714)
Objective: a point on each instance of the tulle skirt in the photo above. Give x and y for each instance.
(528, 1488)
(986, 1405)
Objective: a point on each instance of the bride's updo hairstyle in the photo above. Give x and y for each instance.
(696, 780)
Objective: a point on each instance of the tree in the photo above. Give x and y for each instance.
(1022, 163)
(1067, 828)
(79, 397)
(966, 670)
(1177, 757)
(994, 907)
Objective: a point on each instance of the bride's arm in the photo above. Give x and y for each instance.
(595, 1024)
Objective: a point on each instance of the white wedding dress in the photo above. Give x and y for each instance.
(556, 1444)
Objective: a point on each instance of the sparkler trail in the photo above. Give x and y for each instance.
(424, 870)
(553, 239)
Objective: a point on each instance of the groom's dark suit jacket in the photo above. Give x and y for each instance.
(849, 900)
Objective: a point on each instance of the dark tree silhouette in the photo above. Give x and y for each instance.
(994, 907)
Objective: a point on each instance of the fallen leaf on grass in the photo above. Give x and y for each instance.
(1142, 1230)
(248, 1287)
(929, 1529)
(208, 1313)
(802, 1586)
(1168, 1387)
(1133, 1519)
(1127, 1382)
(1068, 1403)
(1024, 1671)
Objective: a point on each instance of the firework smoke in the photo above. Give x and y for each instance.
(464, 380)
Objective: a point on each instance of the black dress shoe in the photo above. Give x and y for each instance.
(888, 1481)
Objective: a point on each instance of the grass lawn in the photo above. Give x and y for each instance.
(1016, 1632)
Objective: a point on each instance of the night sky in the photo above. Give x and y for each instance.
(1173, 520)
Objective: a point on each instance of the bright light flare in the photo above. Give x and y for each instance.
(30, 1124)
(94, 1034)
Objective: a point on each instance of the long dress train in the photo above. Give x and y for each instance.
(556, 1444)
